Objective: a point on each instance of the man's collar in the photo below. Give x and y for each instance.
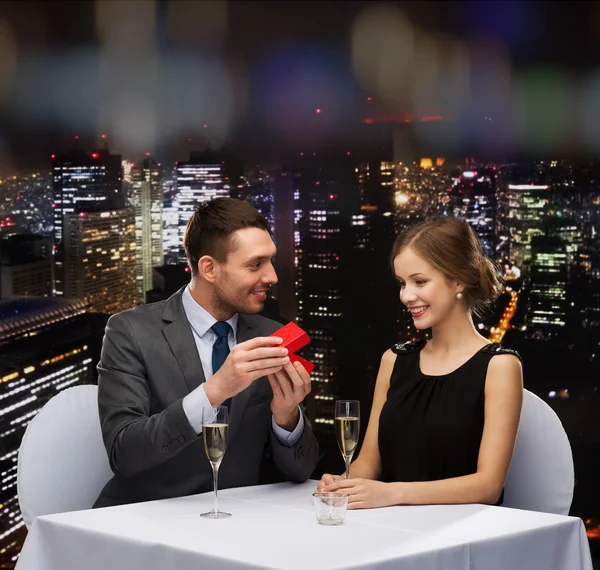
(200, 319)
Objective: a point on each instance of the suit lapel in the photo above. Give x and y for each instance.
(245, 331)
(179, 336)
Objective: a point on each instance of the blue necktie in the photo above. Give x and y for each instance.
(220, 349)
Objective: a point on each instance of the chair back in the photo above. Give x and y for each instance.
(541, 475)
(62, 464)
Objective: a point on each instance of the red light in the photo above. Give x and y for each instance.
(95, 155)
(348, 153)
(53, 156)
(301, 154)
(331, 196)
(368, 98)
(314, 154)
(76, 136)
(103, 136)
(318, 111)
(147, 154)
(82, 215)
(368, 121)
(54, 204)
(187, 269)
(204, 126)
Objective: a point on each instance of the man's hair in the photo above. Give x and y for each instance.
(210, 230)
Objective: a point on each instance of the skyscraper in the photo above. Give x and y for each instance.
(47, 345)
(147, 200)
(525, 211)
(326, 196)
(284, 189)
(257, 189)
(473, 198)
(83, 182)
(25, 266)
(549, 273)
(100, 259)
(198, 180)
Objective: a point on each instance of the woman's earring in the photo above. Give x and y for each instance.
(459, 296)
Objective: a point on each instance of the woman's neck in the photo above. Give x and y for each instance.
(456, 333)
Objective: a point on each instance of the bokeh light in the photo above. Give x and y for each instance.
(542, 104)
(383, 52)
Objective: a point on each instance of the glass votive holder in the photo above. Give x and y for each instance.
(330, 507)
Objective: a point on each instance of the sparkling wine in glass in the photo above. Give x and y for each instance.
(347, 429)
(215, 427)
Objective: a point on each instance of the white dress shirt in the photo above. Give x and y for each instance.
(201, 322)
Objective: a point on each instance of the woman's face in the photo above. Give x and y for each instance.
(427, 293)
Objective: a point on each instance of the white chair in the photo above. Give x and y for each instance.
(62, 464)
(541, 475)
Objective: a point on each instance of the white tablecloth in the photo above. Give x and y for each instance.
(274, 527)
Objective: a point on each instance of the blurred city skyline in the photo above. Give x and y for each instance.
(273, 76)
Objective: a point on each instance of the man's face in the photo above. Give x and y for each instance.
(243, 280)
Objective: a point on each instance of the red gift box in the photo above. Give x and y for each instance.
(294, 338)
(308, 366)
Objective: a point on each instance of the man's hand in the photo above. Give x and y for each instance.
(290, 386)
(245, 363)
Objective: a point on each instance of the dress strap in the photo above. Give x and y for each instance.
(496, 348)
(408, 347)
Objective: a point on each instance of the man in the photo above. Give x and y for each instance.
(163, 363)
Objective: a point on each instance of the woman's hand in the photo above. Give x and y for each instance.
(328, 479)
(362, 493)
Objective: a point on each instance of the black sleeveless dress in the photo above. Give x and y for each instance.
(430, 427)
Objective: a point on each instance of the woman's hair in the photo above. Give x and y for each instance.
(451, 246)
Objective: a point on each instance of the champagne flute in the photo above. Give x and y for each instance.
(347, 429)
(215, 427)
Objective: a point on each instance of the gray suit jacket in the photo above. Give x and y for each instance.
(149, 363)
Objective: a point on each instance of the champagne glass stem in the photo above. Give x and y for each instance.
(216, 482)
(347, 468)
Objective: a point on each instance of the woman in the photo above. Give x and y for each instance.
(445, 411)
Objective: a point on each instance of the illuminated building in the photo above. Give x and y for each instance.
(343, 233)
(473, 198)
(25, 266)
(83, 182)
(147, 200)
(198, 180)
(323, 206)
(526, 204)
(257, 190)
(549, 273)
(287, 239)
(52, 345)
(100, 259)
